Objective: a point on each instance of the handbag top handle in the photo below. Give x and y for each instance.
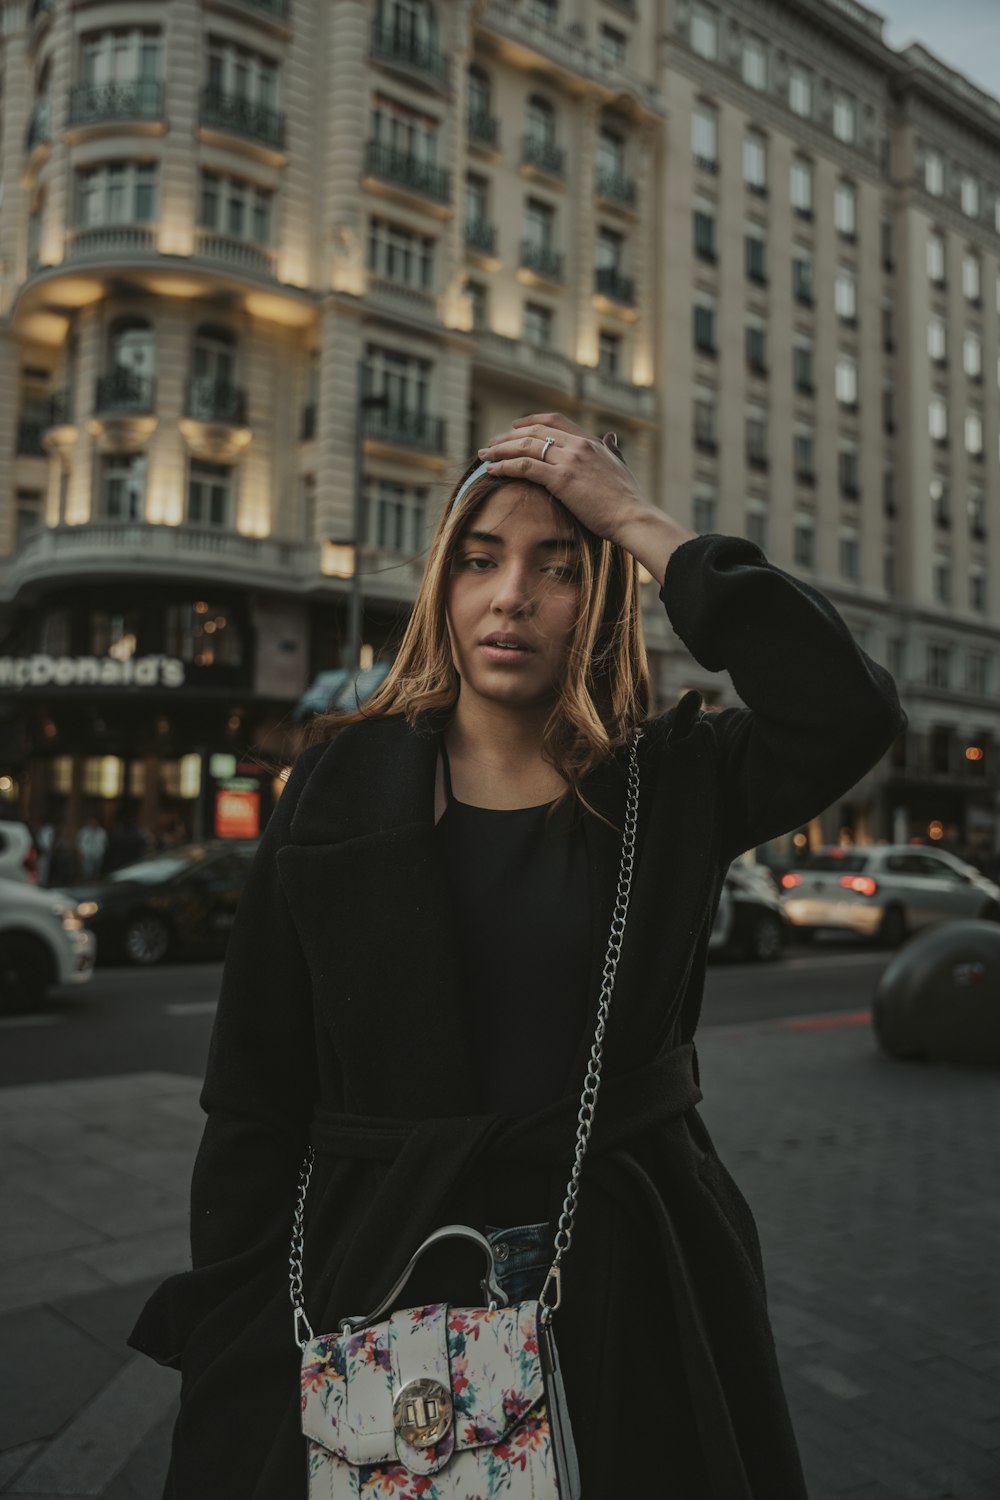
(588, 1107)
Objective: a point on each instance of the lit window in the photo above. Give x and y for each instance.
(705, 33)
(845, 209)
(800, 92)
(754, 64)
(847, 380)
(845, 119)
(934, 173)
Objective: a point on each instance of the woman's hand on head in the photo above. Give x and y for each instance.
(581, 471)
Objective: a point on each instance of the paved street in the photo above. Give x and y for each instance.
(870, 1180)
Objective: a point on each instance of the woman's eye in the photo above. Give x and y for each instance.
(475, 564)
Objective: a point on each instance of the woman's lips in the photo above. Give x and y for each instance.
(507, 655)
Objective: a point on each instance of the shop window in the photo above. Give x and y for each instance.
(203, 633)
(113, 633)
(54, 633)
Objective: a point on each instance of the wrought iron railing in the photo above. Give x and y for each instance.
(92, 103)
(409, 171)
(543, 259)
(211, 400)
(242, 116)
(276, 8)
(395, 424)
(397, 44)
(481, 236)
(538, 151)
(122, 390)
(484, 127)
(615, 186)
(610, 282)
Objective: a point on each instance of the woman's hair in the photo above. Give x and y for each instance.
(605, 688)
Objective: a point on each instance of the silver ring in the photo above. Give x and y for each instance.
(546, 446)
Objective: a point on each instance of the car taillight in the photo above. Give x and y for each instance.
(862, 885)
(790, 880)
(30, 864)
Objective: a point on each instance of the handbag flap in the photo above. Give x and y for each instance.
(489, 1361)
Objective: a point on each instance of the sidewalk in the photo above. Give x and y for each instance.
(873, 1184)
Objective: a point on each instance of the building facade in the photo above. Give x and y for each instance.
(259, 258)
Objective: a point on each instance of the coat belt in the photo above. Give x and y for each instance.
(630, 1105)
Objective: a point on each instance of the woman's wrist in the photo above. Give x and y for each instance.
(652, 538)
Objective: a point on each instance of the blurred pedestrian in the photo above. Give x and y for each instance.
(91, 843)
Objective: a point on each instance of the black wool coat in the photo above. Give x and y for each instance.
(342, 1020)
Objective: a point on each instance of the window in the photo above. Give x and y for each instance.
(704, 230)
(132, 347)
(755, 345)
(846, 381)
(397, 127)
(889, 585)
(888, 325)
(940, 498)
(704, 507)
(541, 120)
(937, 340)
(804, 453)
(477, 199)
(845, 119)
(610, 153)
(939, 659)
(802, 276)
(706, 419)
(756, 437)
(972, 356)
(850, 553)
(845, 209)
(803, 376)
(399, 254)
(705, 137)
(887, 245)
(123, 486)
(613, 44)
(546, 11)
(972, 277)
(941, 575)
(846, 296)
(236, 208)
(539, 223)
(203, 633)
(398, 512)
(404, 379)
(609, 354)
(756, 522)
(213, 369)
(116, 192)
(480, 100)
(753, 63)
(934, 173)
(937, 417)
(29, 515)
(978, 601)
(800, 92)
(888, 406)
(123, 56)
(802, 187)
(755, 161)
(755, 254)
(209, 494)
(936, 258)
(849, 470)
(609, 250)
(976, 506)
(538, 323)
(113, 633)
(805, 542)
(889, 490)
(239, 73)
(974, 433)
(704, 323)
(478, 296)
(705, 33)
(970, 196)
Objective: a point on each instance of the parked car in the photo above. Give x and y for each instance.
(18, 855)
(181, 901)
(42, 942)
(884, 891)
(749, 921)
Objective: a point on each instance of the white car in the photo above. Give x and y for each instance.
(42, 942)
(18, 856)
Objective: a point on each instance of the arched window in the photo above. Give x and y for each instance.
(131, 347)
(214, 355)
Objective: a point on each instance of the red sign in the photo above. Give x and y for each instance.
(237, 815)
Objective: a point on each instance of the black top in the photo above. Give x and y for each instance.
(521, 889)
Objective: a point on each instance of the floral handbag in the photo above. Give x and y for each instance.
(446, 1403)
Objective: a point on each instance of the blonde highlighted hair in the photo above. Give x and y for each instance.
(605, 688)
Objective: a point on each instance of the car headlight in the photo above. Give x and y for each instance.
(87, 908)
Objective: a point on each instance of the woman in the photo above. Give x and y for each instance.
(405, 992)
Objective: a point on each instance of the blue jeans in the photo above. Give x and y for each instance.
(523, 1256)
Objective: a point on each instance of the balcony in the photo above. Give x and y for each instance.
(610, 283)
(243, 254)
(103, 103)
(278, 9)
(409, 429)
(111, 240)
(397, 47)
(39, 131)
(211, 400)
(484, 129)
(481, 237)
(523, 366)
(408, 171)
(616, 395)
(542, 260)
(122, 390)
(614, 187)
(238, 115)
(543, 156)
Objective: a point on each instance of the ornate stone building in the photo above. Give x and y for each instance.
(258, 257)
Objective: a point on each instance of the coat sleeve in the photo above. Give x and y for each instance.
(820, 712)
(258, 1093)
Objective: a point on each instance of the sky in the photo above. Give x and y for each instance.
(963, 33)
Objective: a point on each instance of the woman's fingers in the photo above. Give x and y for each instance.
(552, 419)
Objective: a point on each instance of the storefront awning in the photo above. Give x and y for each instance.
(341, 690)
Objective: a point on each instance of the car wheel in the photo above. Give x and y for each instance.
(25, 971)
(892, 930)
(146, 940)
(764, 939)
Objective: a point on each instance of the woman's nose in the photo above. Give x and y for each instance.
(513, 594)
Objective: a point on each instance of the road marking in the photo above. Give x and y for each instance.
(192, 1008)
(9, 1022)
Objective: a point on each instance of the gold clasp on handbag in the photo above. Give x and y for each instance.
(422, 1413)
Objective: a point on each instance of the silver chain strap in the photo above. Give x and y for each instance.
(588, 1100)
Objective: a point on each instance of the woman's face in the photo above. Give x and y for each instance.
(514, 598)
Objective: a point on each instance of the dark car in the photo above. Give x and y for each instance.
(181, 901)
(749, 922)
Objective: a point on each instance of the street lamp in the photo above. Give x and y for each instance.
(364, 403)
